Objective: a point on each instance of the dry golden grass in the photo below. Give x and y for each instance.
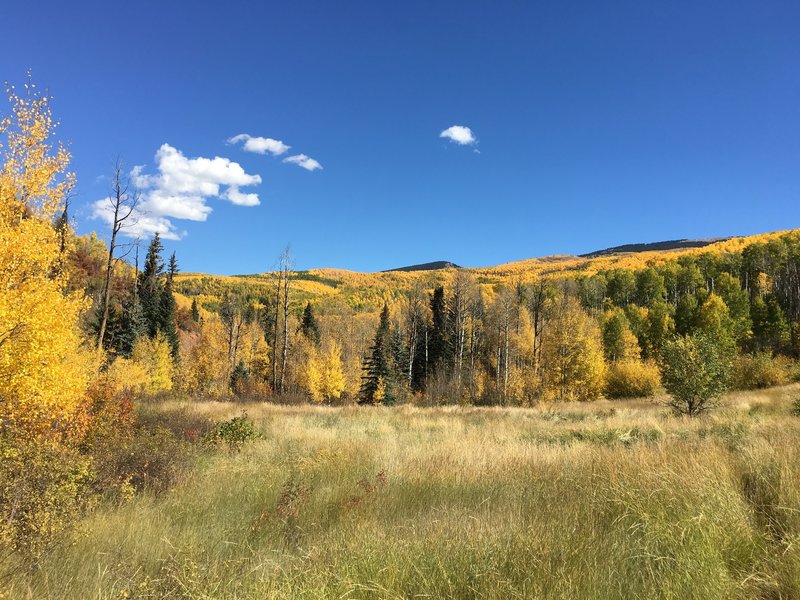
(612, 499)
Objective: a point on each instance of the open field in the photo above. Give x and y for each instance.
(600, 500)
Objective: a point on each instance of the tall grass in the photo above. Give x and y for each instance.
(608, 500)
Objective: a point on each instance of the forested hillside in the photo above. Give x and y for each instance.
(500, 334)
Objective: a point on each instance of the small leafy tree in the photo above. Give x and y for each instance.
(696, 371)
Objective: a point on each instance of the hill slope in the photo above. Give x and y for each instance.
(341, 291)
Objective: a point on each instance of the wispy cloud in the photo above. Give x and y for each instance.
(260, 145)
(460, 134)
(265, 145)
(301, 160)
(181, 189)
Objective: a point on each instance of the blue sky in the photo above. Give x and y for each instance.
(596, 123)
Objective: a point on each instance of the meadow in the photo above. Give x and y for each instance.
(609, 499)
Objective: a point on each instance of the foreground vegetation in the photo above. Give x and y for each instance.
(602, 500)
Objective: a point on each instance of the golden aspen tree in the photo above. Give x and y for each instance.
(155, 355)
(205, 364)
(44, 370)
(332, 381)
(322, 374)
(312, 376)
(572, 354)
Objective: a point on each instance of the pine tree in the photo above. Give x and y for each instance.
(155, 295)
(437, 336)
(419, 371)
(377, 381)
(309, 326)
(195, 311)
(132, 326)
(167, 322)
(150, 286)
(239, 377)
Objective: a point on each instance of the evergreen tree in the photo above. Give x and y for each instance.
(155, 295)
(173, 268)
(132, 325)
(309, 326)
(377, 383)
(437, 336)
(398, 353)
(239, 377)
(166, 322)
(195, 311)
(151, 287)
(419, 371)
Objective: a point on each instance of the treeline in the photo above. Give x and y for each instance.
(517, 342)
(579, 338)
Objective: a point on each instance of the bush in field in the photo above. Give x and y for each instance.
(632, 379)
(696, 370)
(234, 432)
(44, 487)
(795, 410)
(760, 371)
(148, 459)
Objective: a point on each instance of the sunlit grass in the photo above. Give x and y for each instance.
(603, 500)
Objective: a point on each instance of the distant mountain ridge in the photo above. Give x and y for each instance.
(623, 249)
(655, 246)
(429, 266)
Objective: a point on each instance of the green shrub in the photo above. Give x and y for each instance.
(632, 379)
(759, 371)
(696, 370)
(44, 488)
(234, 432)
(795, 410)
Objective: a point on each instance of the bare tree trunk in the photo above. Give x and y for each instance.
(285, 267)
(275, 337)
(123, 205)
(285, 349)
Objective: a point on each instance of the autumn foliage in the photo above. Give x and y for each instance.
(44, 368)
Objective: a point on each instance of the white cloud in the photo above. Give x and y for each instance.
(180, 189)
(460, 135)
(240, 199)
(301, 160)
(260, 145)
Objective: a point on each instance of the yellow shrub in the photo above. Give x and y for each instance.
(127, 374)
(632, 379)
(760, 371)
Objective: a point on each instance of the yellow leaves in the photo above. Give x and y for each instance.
(44, 371)
(154, 356)
(205, 364)
(127, 374)
(323, 373)
(572, 354)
